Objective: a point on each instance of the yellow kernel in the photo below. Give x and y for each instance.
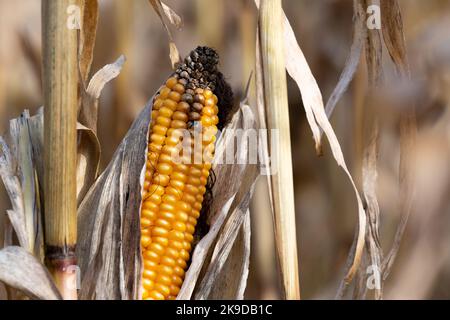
(167, 207)
(189, 198)
(179, 176)
(186, 246)
(176, 278)
(148, 284)
(168, 198)
(150, 264)
(174, 192)
(159, 129)
(197, 206)
(215, 119)
(164, 168)
(181, 263)
(184, 255)
(167, 215)
(179, 271)
(192, 221)
(145, 241)
(159, 232)
(163, 289)
(161, 240)
(158, 104)
(178, 88)
(195, 172)
(153, 197)
(149, 274)
(208, 111)
(181, 216)
(164, 92)
(190, 229)
(180, 167)
(188, 237)
(172, 141)
(181, 205)
(183, 107)
(181, 116)
(156, 248)
(145, 223)
(164, 269)
(156, 295)
(157, 189)
(174, 290)
(163, 224)
(172, 253)
(207, 93)
(215, 99)
(163, 121)
(161, 179)
(163, 279)
(165, 112)
(180, 226)
(151, 255)
(177, 245)
(195, 214)
(193, 181)
(206, 121)
(199, 198)
(178, 124)
(171, 82)
(175, 96)
(144, 294)
(176, 235)
(177, 184)
(168, 261)
(149, 214)
(191, 189)
(170, 104)
(154, 149)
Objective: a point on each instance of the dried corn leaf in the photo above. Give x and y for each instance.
(109, 224)
(374, 54)
(21, 270)
(87, 37)
(394, 39)
(15, 194)
(89, 110)
(351, 65)
(173, 19)
(369, 178)
(88, 149)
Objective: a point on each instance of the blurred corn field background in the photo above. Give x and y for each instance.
(326, 210)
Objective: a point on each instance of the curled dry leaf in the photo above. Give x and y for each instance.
(88, 150)
(353, 59)
(173, 19)
(21, 270)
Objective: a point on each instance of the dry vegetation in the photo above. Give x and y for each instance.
(370, 189)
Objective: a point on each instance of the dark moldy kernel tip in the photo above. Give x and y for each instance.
(199, 71)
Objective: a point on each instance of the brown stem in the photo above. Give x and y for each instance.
(60, 83)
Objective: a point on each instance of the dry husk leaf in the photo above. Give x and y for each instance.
(21, 270)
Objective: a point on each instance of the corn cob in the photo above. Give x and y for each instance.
(174, 191)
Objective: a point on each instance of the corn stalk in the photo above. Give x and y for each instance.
(60, 83)
(275, 95)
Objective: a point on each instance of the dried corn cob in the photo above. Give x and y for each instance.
(174, 191)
